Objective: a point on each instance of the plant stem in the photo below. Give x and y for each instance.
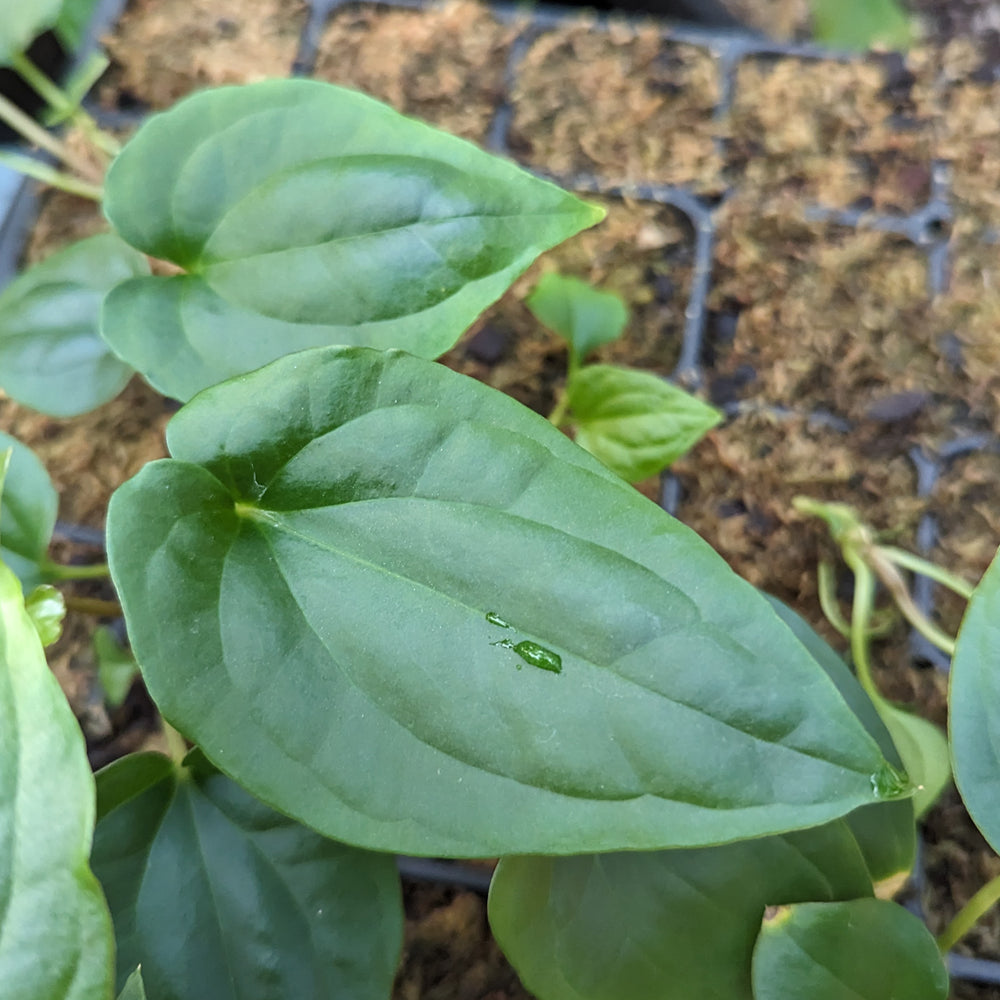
(924, 568)
(969, 915)
(896, 585)
(861, 613)
(558, 415)
(47, 174)
(176, 743)
(62, 105)
(93, 606)
(60, 571)
(828, 599)
(29, 129)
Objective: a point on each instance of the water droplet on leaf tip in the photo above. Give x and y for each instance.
(890, 783)
(494, 619)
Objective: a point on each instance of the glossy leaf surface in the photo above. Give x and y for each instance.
(27, 512)
(584, 316)
(307, 586)
(636, 423)
(218, 897)
(306, 214)
(55, 935)
(974, 706)
(52, 357)
(865, 949)
(22, 23)
(886, 831)
(666, 923)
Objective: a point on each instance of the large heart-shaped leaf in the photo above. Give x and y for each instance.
(306, 214)
(217, 897)
(864, 949)
(22, 23)
(635, 422)
(52, 357)
(344, 583)
(974, 706)
(55, 935)
(668, 923)
(27, 512)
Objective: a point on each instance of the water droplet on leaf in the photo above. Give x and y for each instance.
(890, 783)
(494, 619)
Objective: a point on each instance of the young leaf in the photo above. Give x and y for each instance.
(865, 949)
(46, 608)
(305, 215)
(134, 988)
(647, 925)
(861, 24)
(974, 706)
(22, 23)
(314, 584)
(55, 936)
(52, 357)
(885, 831)
(636, 423)
(582, 315)
(27, 512)
(116, 667)
(218, 897)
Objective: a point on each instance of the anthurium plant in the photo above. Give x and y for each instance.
(384, 608)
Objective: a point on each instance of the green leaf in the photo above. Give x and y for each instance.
(648, 925)
(636, 423)
(924, 749)
(116, 667)
(307, 215)
(74, 18)
(369, 517)
(885, 832)
(974, 706)
(218, 897)
(27, 513)
(55, 936)
(22, 23)
(865, 949)
(52, 357)
(134, 989)
(861, 24)
(46, 608)
(580, 314)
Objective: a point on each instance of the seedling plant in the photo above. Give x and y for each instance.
(386, 609)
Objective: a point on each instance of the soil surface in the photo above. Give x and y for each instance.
(834, 349)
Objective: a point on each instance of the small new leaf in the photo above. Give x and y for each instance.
(52, 357)
(636, 423)
(116, 667)
(581, 315)
(46, 607)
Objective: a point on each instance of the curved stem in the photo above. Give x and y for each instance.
(60, 571)
(93, 606)
(558, 415)
(861, 613)
(828, 598)
(924, 568)
(61, 104)
(29, 129)
(40, 171)
(969, 915)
